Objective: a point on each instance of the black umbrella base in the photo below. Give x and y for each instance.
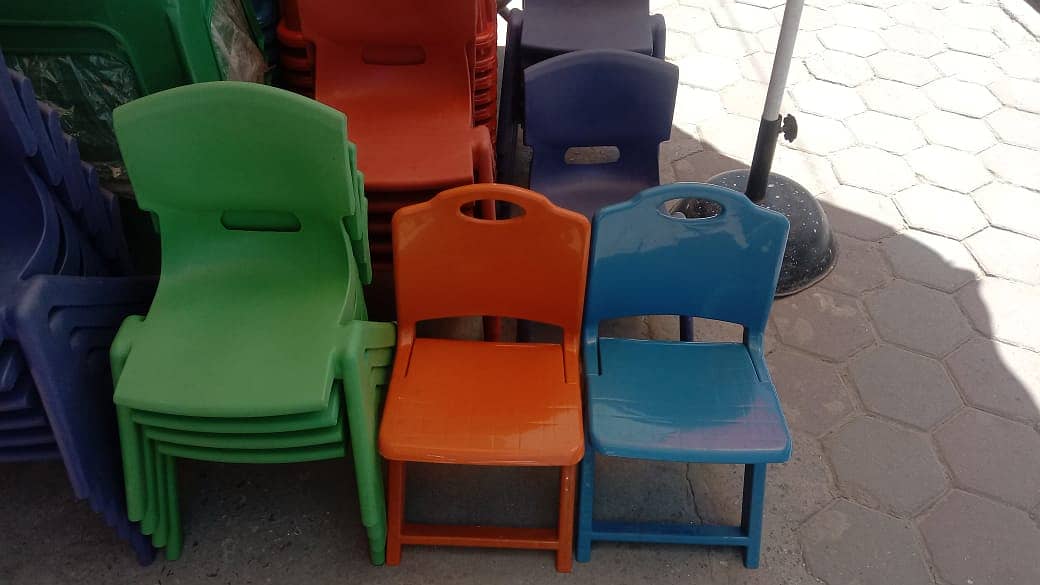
(811, 250)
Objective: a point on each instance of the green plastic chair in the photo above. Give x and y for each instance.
(255, 349)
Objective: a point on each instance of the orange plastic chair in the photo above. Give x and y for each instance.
(401, 71)
(483, 402)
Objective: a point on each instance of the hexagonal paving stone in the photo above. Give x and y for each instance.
(730, 134)
(848, 543)
(822, 322)
(859, 268)
(1010, 207)
(1007, 254)
(993, 455)
(896, 135)
(813, 395)
(813, 18)
(884, 466)
(976, 42)
(805, 45)
(975, 540)
(827, 99)
(708, 71)
(1018, 93)
(916, 15)
(929, 259)
(961, 132)
(762, 3)
(811, 171)
(1004, 309)
(1016, 127)
(872, 168)
(727, 43)
(967, 67)
(743, 17)
(855, 41)
(1020, 61)
(801, 486)
(904, 386)
(960, 217)
(694, 105)
(746, 98)
(759, 67)
(820, 135)
(919, 318)
(998, 377)
(679, 46)
(949, 168)
(861, 214)
(860, 16)
(912, 41)
(703, 165)
(1014, 164)
(962, 97)
(840, 68)
(893, 97)
(908, 69)
(689, 19)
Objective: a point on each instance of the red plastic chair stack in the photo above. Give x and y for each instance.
(403, 73)
(297, 55)
(485, 68)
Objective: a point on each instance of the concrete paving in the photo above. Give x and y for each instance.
(910, 376)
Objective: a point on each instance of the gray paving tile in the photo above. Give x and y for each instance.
(912, 41)
(918, 318)
(827, 99)
(931, 260)
(909, 69)
(949, 168)
(860, 267)
(960, 217)
(1010, 207)
(904, 386)
(861, 214)
(1014, 164)
(811, 391)
(1007, 254)
(1016, 127)
(967, 67)
(848, 543)
(841, 68)
(854, 41)
(884, 466)
(1017, 93)
(873, 169)
(956, 131)
(891, 133)
(1004, 310)
(824, 323)
(992, 455)
(998, 377)
(968, 40)
(1006, 554)
(896, 98)
(962, 97)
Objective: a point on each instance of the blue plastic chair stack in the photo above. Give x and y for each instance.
(62, 298)
(603, 98)
(694, 402)
(548, 28)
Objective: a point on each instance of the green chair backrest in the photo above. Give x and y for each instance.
(224, 164)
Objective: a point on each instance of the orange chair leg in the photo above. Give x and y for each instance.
(395, 512)
(565, 552)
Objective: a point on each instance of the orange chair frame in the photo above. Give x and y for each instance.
(531, 267)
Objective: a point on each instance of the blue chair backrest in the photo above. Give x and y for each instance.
(599, 98)
(646, 262)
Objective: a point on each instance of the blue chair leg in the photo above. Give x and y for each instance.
(685, 328)
(586, 492)
(751, 516)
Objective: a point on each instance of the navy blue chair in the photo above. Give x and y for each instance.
(548, 28)
(603, 98)
(61, 247)
(693, 402)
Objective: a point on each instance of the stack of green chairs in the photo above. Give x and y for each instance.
(256, 348)
(90, 56)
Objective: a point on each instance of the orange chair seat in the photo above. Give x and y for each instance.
(413, 124)
(483, 403)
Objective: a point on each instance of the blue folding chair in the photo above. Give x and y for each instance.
(694, 402)
(548, 28)
(595, 99)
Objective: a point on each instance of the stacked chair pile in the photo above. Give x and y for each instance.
(90, 56)
(256, 348)
(550, 28)
(63, 294)
(416, 81)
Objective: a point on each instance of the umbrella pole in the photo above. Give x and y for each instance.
(771, 125)
(811, 250)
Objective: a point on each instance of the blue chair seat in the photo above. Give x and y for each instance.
(706, 404)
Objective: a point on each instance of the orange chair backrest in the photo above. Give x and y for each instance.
(449, 264)
(388, 23)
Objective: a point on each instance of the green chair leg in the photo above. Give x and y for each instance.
(175, 539)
